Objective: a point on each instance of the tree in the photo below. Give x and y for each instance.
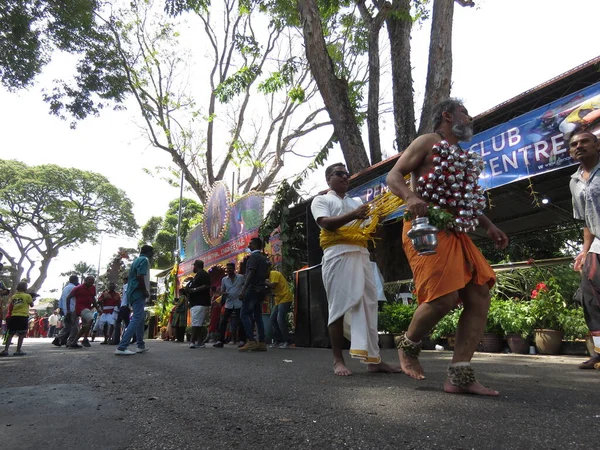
(46, 208)
(30, 30)
(81, 270)
(135, 54)
(161, 232)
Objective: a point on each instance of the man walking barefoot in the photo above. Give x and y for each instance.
(458, 271)
(347, 275)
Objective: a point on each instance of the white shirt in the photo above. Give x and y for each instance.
(332, 205)
(62, 303)
(124, 296)
(53, 320)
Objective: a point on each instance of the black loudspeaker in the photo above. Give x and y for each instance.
(319, 312)
(312, 310)
(302, 329)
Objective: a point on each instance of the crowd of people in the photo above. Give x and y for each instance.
(457, 272)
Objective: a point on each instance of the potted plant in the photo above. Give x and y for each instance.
(386, 339)
(517, 324)
(575, 331)
(547, 306)
(492, 340)
(400, 316)
(446, 328)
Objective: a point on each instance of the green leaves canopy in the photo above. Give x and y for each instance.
(45, 208)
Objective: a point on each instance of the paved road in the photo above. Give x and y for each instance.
(176, 398)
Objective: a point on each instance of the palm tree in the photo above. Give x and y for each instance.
(82, 270)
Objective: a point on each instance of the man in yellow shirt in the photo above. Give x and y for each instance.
(16, 321)
(283, 302)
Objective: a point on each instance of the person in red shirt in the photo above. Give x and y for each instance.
(85, 300)
(108, 300)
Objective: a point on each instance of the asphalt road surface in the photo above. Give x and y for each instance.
(174, 397)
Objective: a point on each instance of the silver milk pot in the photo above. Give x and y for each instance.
(423, 236)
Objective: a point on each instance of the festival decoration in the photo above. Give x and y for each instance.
(453, 183)
(216, 216)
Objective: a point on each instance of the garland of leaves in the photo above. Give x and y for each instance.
(439, 218)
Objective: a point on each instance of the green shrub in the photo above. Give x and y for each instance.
(493, 324)
(447, 326)
(395, 317)
(515, 317)
(572, 322)
(547, 305)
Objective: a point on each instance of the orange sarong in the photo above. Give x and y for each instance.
(457, 262)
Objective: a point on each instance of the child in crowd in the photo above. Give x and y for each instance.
(16, 321)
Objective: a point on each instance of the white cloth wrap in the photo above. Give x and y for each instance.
(352, 293)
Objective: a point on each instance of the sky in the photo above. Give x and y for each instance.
(500, 49)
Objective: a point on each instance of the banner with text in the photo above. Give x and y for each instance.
(536, 142)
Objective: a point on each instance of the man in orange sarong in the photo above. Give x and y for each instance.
(458, 271)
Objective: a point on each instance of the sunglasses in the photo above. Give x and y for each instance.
(340, 173)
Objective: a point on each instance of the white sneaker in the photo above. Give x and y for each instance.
(192, 345)
(200, 345)
(142, 350)
(274, 345)
(124, 352)
(285, 345)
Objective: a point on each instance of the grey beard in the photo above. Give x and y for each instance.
(462, 131)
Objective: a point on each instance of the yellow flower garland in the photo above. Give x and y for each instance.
(360, 232)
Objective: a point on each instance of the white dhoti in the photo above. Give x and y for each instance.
(352, 293)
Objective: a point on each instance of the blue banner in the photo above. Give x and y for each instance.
(536, 142)
(531, 144)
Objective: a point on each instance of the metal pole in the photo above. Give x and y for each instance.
(177, 244)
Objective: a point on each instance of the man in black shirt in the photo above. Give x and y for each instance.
(198, 292)
(253, 294)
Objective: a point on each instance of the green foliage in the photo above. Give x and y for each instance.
(395, 317)
(514, 316)
(177, 7)
(439, 218)
(297, 94)
(236, 83)
(519, 283)
(31, 29)
(573, 324)
(547, 305)
(161, 233)
(494, 318)
(46, 208)
(550, 243)
(447, 326)
(82, 270)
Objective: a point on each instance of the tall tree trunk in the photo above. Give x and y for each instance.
(375, 24)
(439, 69)
(333, 90)
(399, 25)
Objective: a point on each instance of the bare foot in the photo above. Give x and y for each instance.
(411, 366)
(474, 388)
(340, 369)
(383, 368)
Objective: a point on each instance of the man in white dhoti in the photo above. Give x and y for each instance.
(347, 275)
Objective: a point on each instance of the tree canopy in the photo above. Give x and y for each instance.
(30, 30)
(161, 232)
(46, 208)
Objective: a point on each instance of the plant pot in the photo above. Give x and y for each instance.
(547, 342)
(386, 340)
(517, 344)
(575, 348)
(491, 343)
